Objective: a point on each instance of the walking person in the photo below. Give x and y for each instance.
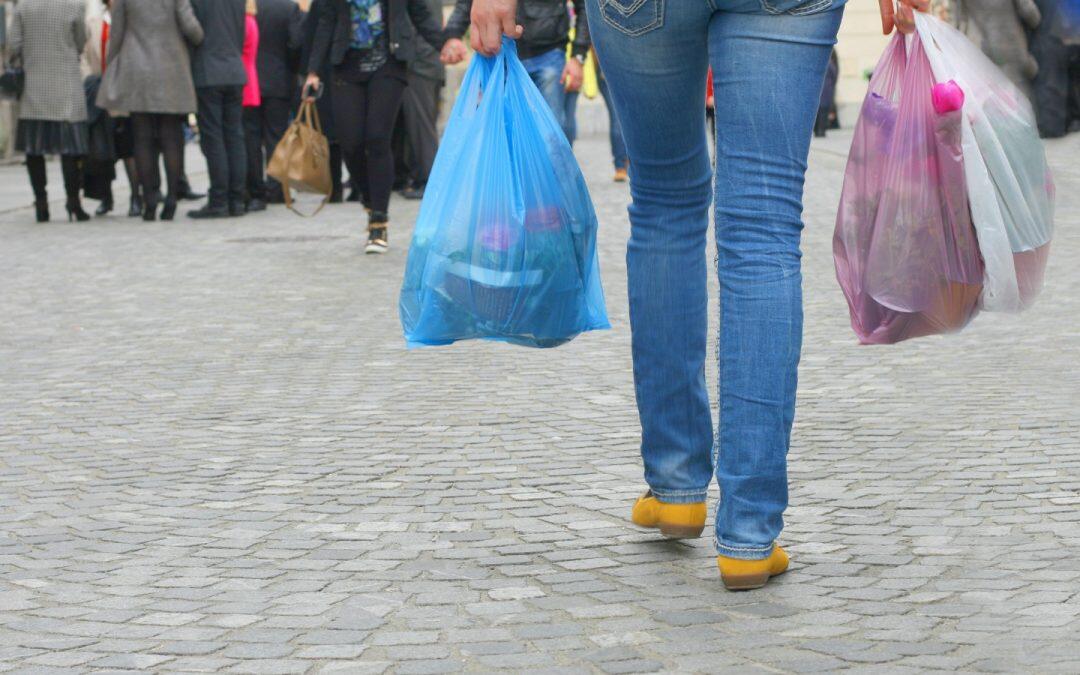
(420, 111)
(615, 137)
(281, 32)
(148, 75)
(47, 38)
(769, 62)
(542, 48)
(218, 69)
(255, 190)
(369, 44)
(324, 102)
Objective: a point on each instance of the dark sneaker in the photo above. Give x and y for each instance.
(256, 205)
(378, 239)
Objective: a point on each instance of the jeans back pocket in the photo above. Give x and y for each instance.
(796, 7)
(633, 17)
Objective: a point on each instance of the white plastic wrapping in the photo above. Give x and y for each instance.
(1009, 183)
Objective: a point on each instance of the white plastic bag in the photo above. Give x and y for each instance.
(1009, 183)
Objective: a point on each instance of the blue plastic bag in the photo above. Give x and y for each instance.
(505, 243)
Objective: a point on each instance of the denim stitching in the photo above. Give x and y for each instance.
(747, 549)
(810, 9)
(677, 493)
(657, 22)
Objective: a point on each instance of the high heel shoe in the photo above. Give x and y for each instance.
(168, 209)
(150, 205)
(75, 212)
(136, 207)
(41, 209)
(104, 207)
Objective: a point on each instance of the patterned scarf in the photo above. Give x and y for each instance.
(367, 22)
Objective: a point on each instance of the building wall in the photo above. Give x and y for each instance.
(859, 46)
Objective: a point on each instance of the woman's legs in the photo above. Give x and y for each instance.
(383, 103)
(768, 72)
(171, 132)
(144, 127)
(71, 167)
(350, 112)
(767, 77)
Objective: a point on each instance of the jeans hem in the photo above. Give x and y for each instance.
(744, 552)
(679, 496)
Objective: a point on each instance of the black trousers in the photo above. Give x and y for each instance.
(157, 135)
(364, 115)
(1059, 70)
(221, 136)
(264, 127)
(420, 108)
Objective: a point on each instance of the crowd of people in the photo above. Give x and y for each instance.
(123, 85)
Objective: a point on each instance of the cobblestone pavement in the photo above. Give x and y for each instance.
(216, 454)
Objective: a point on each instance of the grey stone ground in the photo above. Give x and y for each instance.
(217, 455)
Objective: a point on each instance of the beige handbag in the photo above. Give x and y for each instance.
(301, 160)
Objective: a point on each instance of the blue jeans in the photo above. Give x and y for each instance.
(546, 70)
(768, 59)
(618, 146)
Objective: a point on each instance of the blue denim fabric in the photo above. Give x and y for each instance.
(570, 99)
(546, 70)
(768, 59)
(618, 146)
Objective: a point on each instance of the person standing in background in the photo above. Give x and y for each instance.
(618, 145)
(218, 68)
(281, 26)
(46, 38)
(541, 48)
(369, 44)
(148, 75)
(420, 109)
(255, 194)
(828, 96)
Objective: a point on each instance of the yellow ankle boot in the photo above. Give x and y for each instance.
(677, 521)
(744, 575)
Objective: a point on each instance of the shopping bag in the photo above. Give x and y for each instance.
(1009, 182)
(505, 243)
(301, 160)
(905, 248)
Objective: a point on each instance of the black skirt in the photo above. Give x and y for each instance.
(50, 137)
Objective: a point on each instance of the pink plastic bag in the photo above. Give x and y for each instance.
(906, 252)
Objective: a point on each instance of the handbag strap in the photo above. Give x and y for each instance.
(289, 203)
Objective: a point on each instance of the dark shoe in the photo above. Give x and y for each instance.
(75, 211)
(41, 211)
(136, 207)
(236, 209)
(378, 235)
(186, 193)
(337, 196)
(150, 204)
(104, 207)
(354, 195)
(256, 205)
(168, 209)
(413, 192)
(208, 212)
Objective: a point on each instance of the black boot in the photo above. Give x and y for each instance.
(150, 205)
(168, 208)
(105, 206)
(72, 170)
(136, 206)
(42, 211)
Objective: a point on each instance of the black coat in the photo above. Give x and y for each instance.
(217, 62)
(546, 23)
(280, 36)
(405, 19)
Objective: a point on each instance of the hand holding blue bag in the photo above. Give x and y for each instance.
(505, 243)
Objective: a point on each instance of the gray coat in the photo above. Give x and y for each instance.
(148, 68)
(47, 37)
